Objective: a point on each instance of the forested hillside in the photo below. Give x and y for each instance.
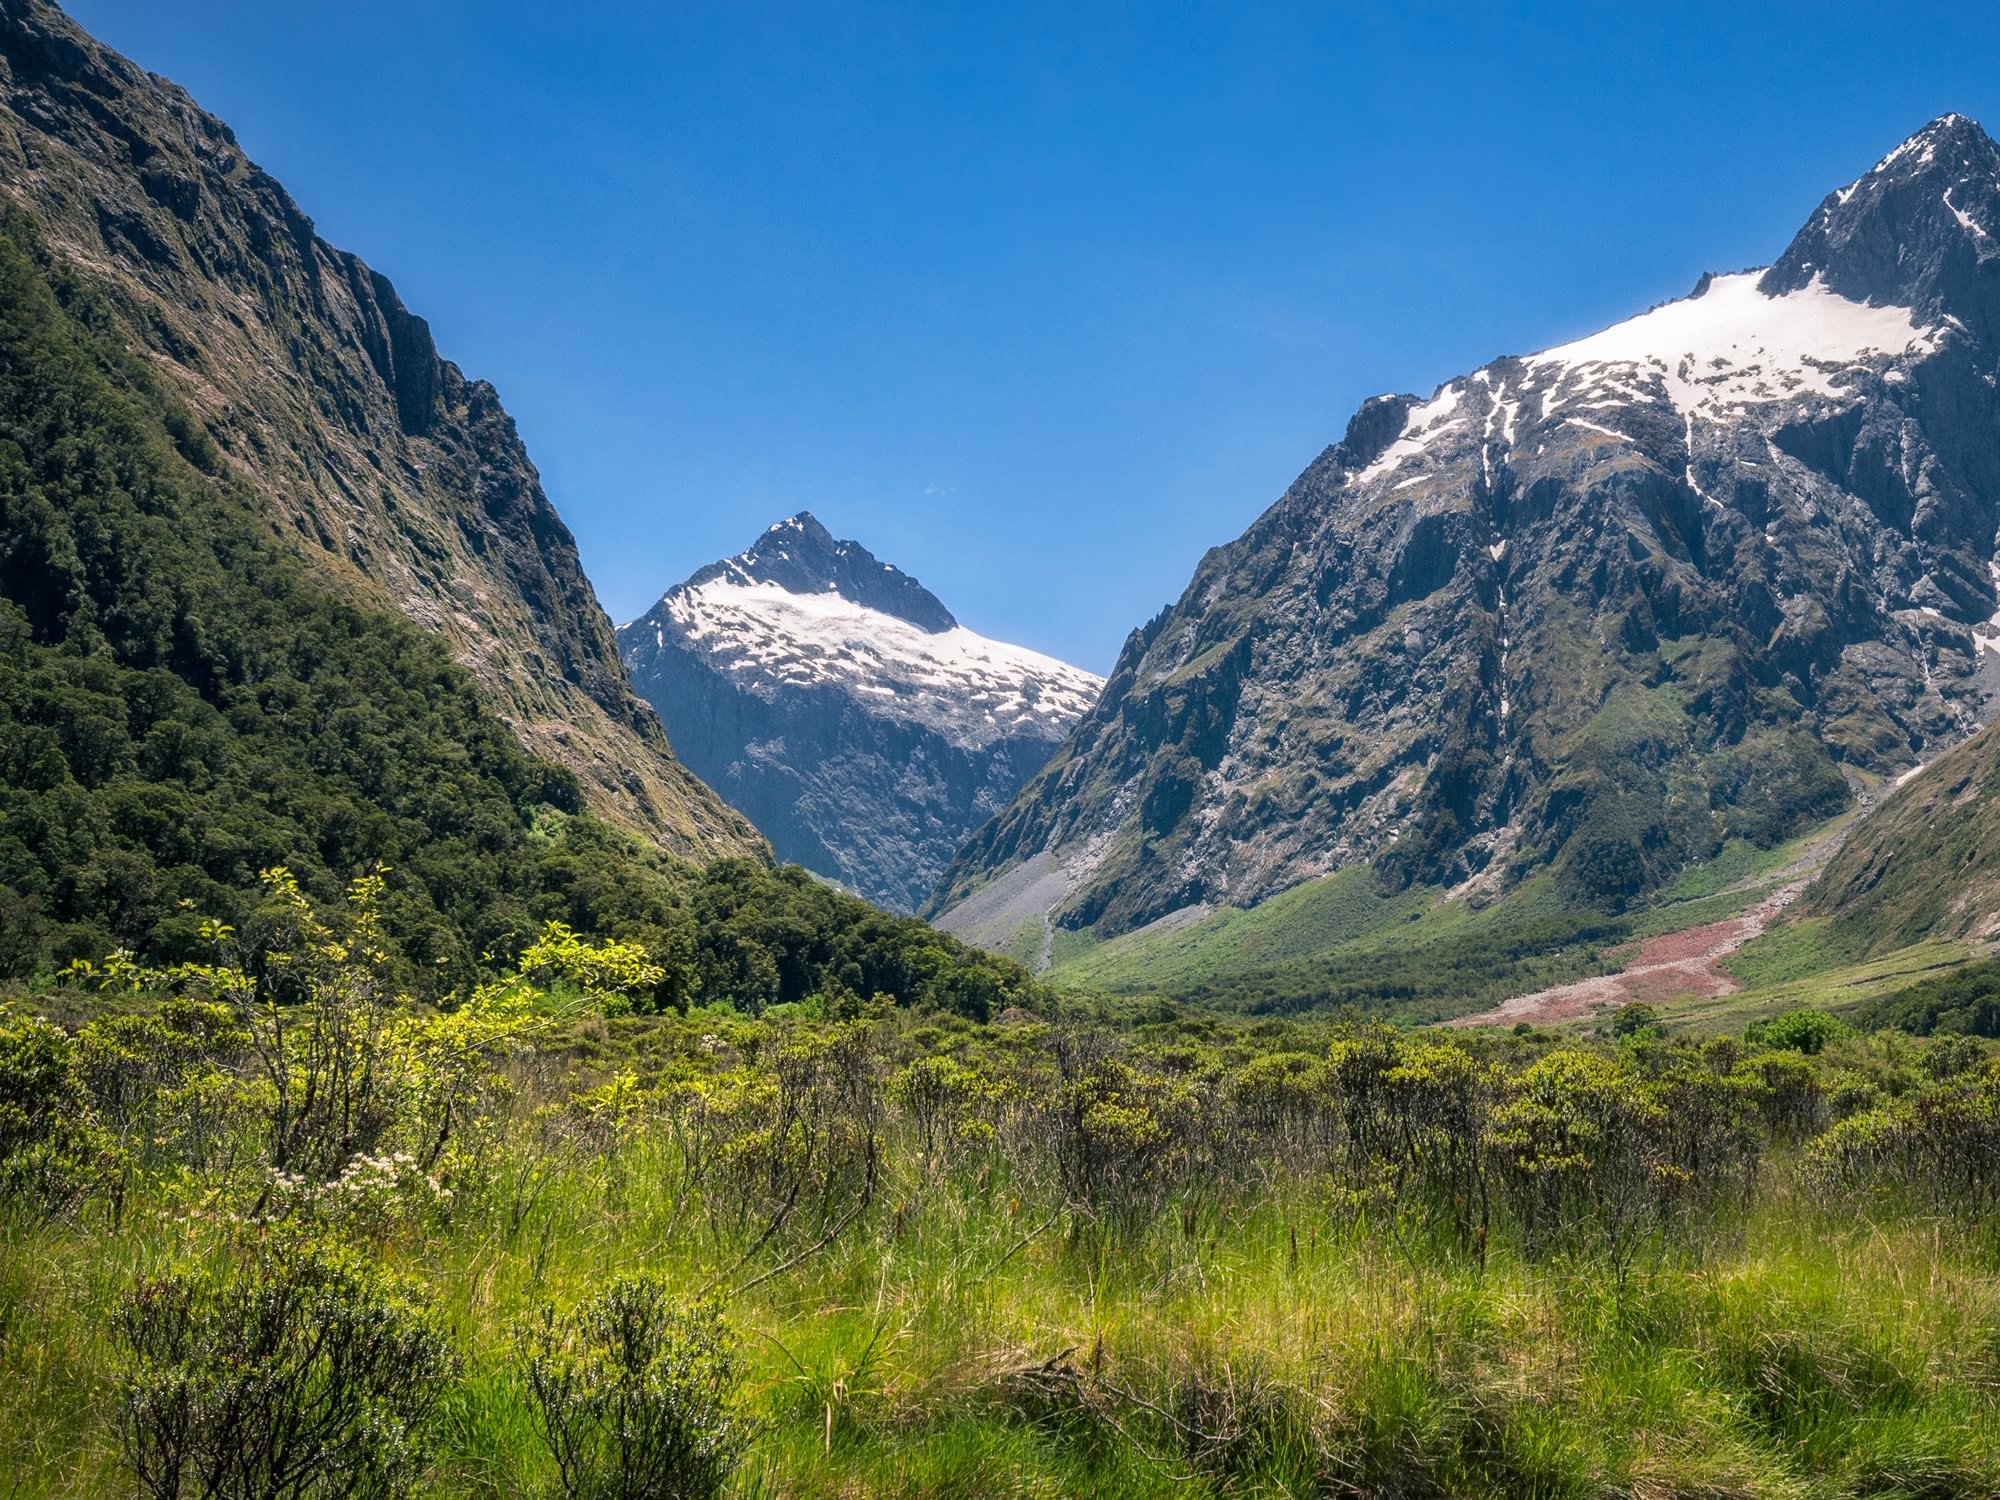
(401, 483)
(184, 704)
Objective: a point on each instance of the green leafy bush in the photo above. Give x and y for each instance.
(634, 1394)
(52, 1149)
(1938, 1147)
(1804, 1030)
(311, 1373)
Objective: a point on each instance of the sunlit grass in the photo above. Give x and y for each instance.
(1265, 1350)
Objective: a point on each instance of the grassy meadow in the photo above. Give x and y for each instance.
(849, 1248)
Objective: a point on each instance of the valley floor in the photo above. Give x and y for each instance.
(1672, 966)
(1186, 1256)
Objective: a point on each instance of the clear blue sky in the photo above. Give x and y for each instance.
(1038, 301)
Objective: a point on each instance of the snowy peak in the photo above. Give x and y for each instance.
(837, 704)
(1913, 231)
(972, 689)
(1751, 529)
(1890, 271)
(800, 556)
(802, 612)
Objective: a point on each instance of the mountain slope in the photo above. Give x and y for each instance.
(1589, 612)
(1926, 863)
(835, 702)
(184, 703)
(402, 483)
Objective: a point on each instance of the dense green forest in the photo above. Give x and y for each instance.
(184, 703)
(1964, 1001)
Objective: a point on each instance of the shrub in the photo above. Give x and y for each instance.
(51, 1149)
(1118, 1138)
(1635, 1019)
(1416, 1114)
(1577, 1145)
(311, 1374)
(1805, 1030)
(634, 1394)
(1940, 1146)
(810, 1160)
(947, 1103)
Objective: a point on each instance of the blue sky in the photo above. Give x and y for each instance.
(1038, 301)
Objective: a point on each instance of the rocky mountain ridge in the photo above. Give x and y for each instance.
(838, 704)
(1583, 614)
(395, 475)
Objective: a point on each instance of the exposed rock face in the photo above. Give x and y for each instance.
(838, 704)
(1587, 612)
(390, 470)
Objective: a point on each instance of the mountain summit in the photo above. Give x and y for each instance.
(801, 556)
(834, 700)
(1914, 232)
(1584, 614)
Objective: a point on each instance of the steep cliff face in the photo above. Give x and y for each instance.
(395, 476)
(836, 702)
(1587, 612)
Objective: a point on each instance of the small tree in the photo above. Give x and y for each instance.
(634, 1395)
(311, 1374)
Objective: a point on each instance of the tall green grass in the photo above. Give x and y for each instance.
(1255, 1340)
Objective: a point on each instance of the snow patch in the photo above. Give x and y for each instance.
(1987, 634)
(1427, 420)
(766, 633)
(1593, 427)
(1965, 220)
(1734, 347)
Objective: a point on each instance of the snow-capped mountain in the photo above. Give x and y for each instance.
(835, 701)
(1589, 611)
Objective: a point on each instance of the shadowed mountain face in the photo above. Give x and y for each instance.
(1587, 612)
(834, 701)
(400, 481)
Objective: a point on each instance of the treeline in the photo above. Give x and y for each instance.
(1962, 1002)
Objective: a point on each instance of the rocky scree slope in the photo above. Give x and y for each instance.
(1588, 612)
(835, 702)
(398, 479)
